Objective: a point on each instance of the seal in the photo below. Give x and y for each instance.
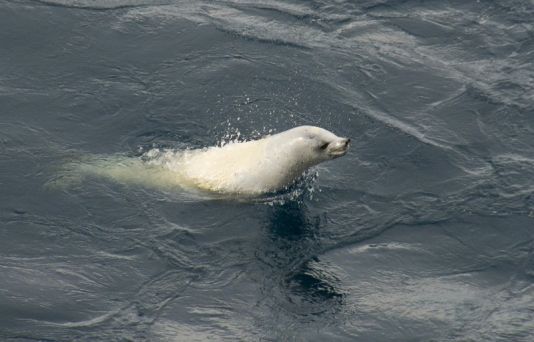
(246, 168)
(265, 165)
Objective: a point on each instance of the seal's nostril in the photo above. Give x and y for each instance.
(347, 141)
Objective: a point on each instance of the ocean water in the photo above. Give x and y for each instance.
(424, 231)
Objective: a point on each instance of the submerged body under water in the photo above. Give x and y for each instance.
(423, 231)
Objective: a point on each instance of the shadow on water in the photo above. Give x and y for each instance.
(305, 283)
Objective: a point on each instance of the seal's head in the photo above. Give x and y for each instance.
(314, 145)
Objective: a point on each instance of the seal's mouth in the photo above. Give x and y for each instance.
(339, 148)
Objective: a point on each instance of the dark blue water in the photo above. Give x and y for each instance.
(423, 232)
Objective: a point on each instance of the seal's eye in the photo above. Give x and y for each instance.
(323, 146)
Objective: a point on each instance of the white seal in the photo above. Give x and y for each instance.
(264, 165)
(244, 168)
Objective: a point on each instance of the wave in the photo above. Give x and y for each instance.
(102, 5)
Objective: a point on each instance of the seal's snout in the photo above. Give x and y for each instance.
(344, 143)
(339, 147)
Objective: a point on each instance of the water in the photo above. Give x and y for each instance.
(424, 231)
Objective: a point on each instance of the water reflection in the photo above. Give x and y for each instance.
(291, 254)
(289, 222)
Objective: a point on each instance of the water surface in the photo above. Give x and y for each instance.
(423, 232)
